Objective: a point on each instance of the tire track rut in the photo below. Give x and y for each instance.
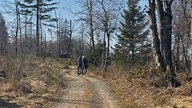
(85, 92)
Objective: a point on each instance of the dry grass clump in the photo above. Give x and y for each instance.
(31, 80)
(130, 96)
(185, 89)
(139, 87)
(115, 72)
(138, 94)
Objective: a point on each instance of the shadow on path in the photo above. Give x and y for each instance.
(4, 104)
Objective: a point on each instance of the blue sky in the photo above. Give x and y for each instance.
(64, 10)
(65, 6)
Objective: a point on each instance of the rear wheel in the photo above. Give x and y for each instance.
(79, 71)
(84, 71)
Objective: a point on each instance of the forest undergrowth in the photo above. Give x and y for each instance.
(142, 87)
(31, 81)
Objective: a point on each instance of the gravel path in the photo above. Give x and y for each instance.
(85, 92)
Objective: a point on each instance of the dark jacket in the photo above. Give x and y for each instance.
(85, 62)
(79, 62)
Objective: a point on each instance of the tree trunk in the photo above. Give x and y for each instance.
(37, 28)
(165, 32)
(191, 47)
(82, 40)
(91, 24)
(31, 33)
(17, 26)
(70, 37)
(41, 38)
(20, 34)
(161, 24)
(156, 42)
(184, 54)
(177, 42)
(45, 46)
(58, 43)
(107, 51)
(104, 50)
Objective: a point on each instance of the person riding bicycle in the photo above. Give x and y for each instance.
(79, 65)
(84, 64)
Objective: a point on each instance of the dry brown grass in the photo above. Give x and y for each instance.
(140, 87)
(31, 81)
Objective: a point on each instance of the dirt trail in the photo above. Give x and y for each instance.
(85, 92)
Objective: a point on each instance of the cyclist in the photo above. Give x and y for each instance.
(84, 64)
(79, 61)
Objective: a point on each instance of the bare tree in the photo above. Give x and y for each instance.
(3, 37)
(181, 33)
(162, 39)
(90, 13)
(87, 15)
(17, 27)
(165, 30)
(108, 12)
(70, 38)
(37, 26)
(187, 11)
(156, 42)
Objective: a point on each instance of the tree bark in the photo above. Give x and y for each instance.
(70, 38)
(184, 53)
(37, 28)
(107, 51)
(31, 33)
(41, 38)
(191, 47)
(165, 32)
(20, 33)
(177, 43)
(91, 23)
(25, 40)
(156, 42)
(17, 28)
(104, 50)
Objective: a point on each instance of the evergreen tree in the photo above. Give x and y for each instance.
(64, 36)
(41, 8)
(3, 36)
(132, 43)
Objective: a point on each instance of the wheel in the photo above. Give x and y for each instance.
(84, 71)
(79, 71)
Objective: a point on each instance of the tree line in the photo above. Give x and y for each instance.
(35, 31)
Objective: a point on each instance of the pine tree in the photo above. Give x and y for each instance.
(3, 36)
(64, 36)
(132, 42)
(41, 8)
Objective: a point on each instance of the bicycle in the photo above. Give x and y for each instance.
(81, 70)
